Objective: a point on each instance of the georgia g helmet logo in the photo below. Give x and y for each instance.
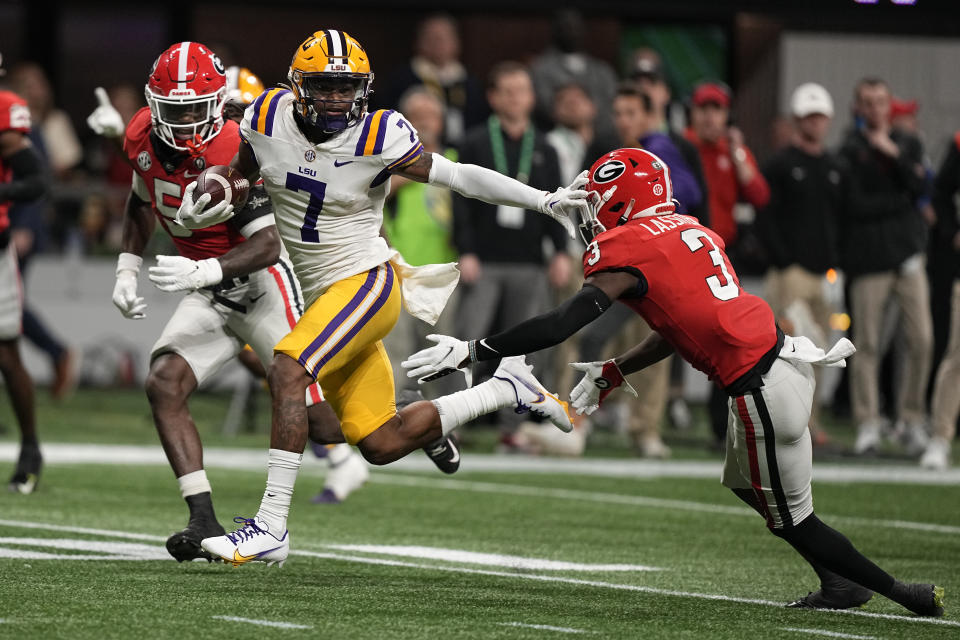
(609, 171)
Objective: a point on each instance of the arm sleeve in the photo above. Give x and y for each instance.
(464, 214)
(768, 218)
(548, 329)
(945, 187)
(29, 181)
(255, 215)
(479, 183)
(757, 191)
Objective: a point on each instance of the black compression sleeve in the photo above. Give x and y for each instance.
(545, 330)
(29, 182)
(258, 204)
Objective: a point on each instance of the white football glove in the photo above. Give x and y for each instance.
(105, 119)
(176, 273)
(435, 362)
(194, 215)
(599, 379)
(564, 204)
(125, 290)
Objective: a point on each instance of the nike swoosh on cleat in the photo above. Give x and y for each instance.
(337, 163)
(456, 455)
(239, 559)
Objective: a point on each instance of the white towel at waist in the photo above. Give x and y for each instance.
(425, 289)
(802, 349)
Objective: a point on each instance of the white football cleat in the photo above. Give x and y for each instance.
(531, 395)
(252, 542)
(343, 479)
(868, 438)
(937, 455)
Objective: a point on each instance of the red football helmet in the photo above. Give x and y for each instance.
(625, 184)
(186, 93)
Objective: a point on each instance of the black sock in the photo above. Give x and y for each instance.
(830, 550)
(201, 507)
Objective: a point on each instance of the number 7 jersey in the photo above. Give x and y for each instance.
(688, 292)
(328, 198)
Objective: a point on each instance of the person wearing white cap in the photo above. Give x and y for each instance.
(799, 225)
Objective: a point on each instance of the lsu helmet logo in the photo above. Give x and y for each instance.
(609, 171)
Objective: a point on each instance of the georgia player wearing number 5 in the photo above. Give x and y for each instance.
(674, 273)
(240, 289)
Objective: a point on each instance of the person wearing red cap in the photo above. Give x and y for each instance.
(728, 165)
(732, 175)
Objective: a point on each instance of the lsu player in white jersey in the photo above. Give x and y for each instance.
(325, 162)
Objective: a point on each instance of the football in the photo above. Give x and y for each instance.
(222, 183)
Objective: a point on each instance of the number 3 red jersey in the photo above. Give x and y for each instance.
(162, 180)
(689, 293)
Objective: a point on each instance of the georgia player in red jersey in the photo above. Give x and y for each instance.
(241, 290)
(21, 180)
(673, 272)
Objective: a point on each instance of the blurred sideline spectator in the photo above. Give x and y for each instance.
(573, 133)
(61, 147)
(882, 242)
(436, 66)
(945, 404)
(503, 280)
(732, 175)
(649, 78)
(418, 222)
(565, 62)
(799, 224)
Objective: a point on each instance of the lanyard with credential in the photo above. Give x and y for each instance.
(500, 154)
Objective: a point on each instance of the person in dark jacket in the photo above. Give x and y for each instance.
(882, 244)
(799, 224)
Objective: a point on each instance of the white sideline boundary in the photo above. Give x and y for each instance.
(256, 459)
(263, 623)
(528, 576)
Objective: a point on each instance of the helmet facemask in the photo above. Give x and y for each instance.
(186, 123)
(332, 102)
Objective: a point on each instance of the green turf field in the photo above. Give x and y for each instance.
(492, 554)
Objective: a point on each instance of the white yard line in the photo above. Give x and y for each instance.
(489, 559)
(534, 577)
(613, 585)
(829, 634)
(543, 627)
(256, 460)
(635, 501)
(263, 623)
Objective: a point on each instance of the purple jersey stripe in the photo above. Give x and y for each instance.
(409, 157)
(271, 112)
(372, 311)
(257, 104)
(381, 133)
(362, 142)
(339, 318)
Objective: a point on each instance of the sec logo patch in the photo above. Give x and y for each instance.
(609, 171)
(658, 189)
(144, 161)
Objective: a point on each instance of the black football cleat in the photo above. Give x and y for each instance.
(444, 453)
(848, 597)
(185, 545)
(922, 599)
(26, 475)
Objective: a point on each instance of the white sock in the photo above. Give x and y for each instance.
(338, 453)
(193, 483)
(282, 468)
(463, 406)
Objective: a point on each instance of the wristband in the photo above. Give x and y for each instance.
(129, 262)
